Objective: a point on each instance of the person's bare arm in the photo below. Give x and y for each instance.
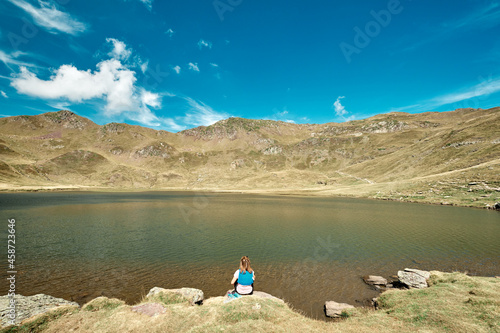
(234, 280)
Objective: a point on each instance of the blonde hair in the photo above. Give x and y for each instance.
(245, 265)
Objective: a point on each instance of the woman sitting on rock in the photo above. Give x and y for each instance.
(244, 277)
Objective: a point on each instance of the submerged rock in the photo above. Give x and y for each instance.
(194, 296)
(375, 280)
(334, 309)
(29, 306)
(414, 278)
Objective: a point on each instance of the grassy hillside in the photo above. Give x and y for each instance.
(447, 157)
(454, 302)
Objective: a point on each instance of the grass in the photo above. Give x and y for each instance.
(454, 302)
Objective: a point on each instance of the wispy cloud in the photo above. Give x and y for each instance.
(485, 17)
(200, 114)
(480, 91)
(48, 16)
(194, 67)
(147, 3)
(144, 65)
(204, 43)
(12, 59)
(169, 32)
(177, 69)
(214, 65)
(4, 95)
(281, 116)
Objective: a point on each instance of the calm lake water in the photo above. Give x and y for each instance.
(305, 250)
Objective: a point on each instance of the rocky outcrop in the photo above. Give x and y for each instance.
(335, 310)
(29, 306)
(375, 280)
(414, 278)
(194, 296)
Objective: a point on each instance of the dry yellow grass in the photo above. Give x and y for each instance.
(455, 302)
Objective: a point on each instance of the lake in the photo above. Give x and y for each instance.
(81, 245)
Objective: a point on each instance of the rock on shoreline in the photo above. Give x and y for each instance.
(29, 306)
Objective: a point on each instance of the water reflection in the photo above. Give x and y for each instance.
(306, 250)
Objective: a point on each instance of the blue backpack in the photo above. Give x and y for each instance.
(245, 279)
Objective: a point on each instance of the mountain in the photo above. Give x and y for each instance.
(448, 157)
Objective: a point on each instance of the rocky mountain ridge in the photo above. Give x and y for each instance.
(62, 149)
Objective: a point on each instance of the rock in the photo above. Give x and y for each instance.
(261, 294)
(374, 280)
(29, 306)
(414, 278)
(334, 309)
(150, 309)
(194, 296)
(496, 206)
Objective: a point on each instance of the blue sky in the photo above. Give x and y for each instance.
(180, 64)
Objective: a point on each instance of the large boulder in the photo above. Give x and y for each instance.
(29, 306)
(194, 296)
(414, 278)
(375, 280)
(334, 309)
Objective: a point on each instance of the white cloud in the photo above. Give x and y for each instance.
(47, 15)
(119, 50)
(204, 43)
(194, 67)
(177, 69)
(4, 95)
(214, 65)
(339, 108)
(170, 32)
(150, 99)
(200, 114)
(112, 81)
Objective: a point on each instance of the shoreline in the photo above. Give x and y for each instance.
(300, 193)
(447, 302)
